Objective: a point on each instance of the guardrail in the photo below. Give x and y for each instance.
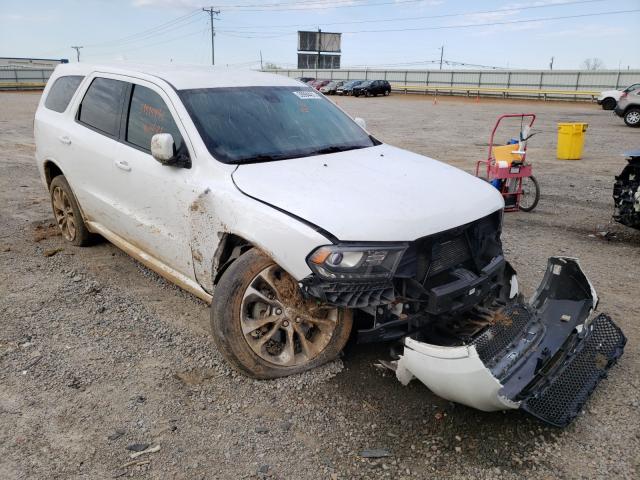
(22, 85)
(545, 94)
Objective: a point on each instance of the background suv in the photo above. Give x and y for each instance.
(628, 108)
(372, 88)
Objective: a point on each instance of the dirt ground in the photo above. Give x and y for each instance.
(97, 353)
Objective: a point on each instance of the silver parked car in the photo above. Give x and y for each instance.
(628, 108)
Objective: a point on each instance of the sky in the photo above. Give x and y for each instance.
(402, 34)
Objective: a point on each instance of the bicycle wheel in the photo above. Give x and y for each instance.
(530, 194)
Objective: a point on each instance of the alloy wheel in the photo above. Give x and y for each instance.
(279, 325)
(63, 212)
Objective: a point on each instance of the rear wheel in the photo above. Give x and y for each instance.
(67, 213)
(530, 194)
(632, 117)
(387, 92)
(609, 103)
(265, 328)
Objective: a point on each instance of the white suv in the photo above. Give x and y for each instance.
(256, 193)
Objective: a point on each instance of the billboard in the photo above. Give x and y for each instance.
(319, 41)
(310, 61)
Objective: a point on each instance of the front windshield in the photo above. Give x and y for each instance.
(257, 124)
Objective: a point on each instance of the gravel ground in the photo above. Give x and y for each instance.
(98, 354)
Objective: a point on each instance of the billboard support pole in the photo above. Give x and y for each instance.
(319, 48)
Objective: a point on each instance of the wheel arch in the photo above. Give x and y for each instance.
(231, 247)
(51, 171)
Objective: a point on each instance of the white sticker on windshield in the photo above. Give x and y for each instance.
(306, 94)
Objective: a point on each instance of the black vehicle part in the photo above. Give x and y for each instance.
(561, 396)
(626, 193)
(547, 355)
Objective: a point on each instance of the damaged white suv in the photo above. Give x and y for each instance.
(257, 194)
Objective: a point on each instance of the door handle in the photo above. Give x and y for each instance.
(122, 165)
(64, 139)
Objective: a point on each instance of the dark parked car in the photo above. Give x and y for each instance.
(347, 88)
(372, 88)
(305, 79)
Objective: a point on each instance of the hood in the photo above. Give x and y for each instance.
(379, 193)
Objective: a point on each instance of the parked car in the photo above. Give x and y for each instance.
(261, 196)
(331, 87)
(609, 98)
(347, 88)
(320, 83)
(305, 79)
(628, 108)
(372, 88)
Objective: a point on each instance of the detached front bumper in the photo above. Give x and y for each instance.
(545, 357)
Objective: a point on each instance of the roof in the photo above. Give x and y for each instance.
(184, 77)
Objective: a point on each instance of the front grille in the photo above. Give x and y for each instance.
(508, 326)
(567, 391)
(354, 295)
(448, 254)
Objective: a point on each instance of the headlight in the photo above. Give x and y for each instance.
(356, 262)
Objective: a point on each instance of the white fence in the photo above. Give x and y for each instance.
(18, 78)
(525, 83)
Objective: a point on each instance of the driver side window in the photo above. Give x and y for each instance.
(148, 115)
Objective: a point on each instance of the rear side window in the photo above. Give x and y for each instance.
(148, 115)
(61, 92)
(101, 106)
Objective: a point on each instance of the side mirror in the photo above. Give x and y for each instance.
(360, 121)
(163, 149)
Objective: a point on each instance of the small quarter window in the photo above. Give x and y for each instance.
(102, 105)
(148, 115)
(61, 92)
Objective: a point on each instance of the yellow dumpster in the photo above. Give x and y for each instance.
(571, 140)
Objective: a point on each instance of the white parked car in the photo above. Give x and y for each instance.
(256, 193)
(609, 98)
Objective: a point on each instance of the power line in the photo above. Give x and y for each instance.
(470, 25)
(168, 40)
(158, 29)
(427, 17)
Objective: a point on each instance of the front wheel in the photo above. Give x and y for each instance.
(609, 103)
(530, 194)
(387, 92)
(632, 117)
(265, 328)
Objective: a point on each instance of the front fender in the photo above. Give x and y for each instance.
(285, 239)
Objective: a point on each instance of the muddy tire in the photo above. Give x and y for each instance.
(265, 328)
(67, 213)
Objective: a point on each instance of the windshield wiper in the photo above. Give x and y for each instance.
(336, 149)
(261, 158)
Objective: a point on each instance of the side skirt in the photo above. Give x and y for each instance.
(151, 262)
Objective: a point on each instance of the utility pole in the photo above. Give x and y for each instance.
(260, 59)
(211, 12)
(77, 49)
(551, 63)
(441, 55)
